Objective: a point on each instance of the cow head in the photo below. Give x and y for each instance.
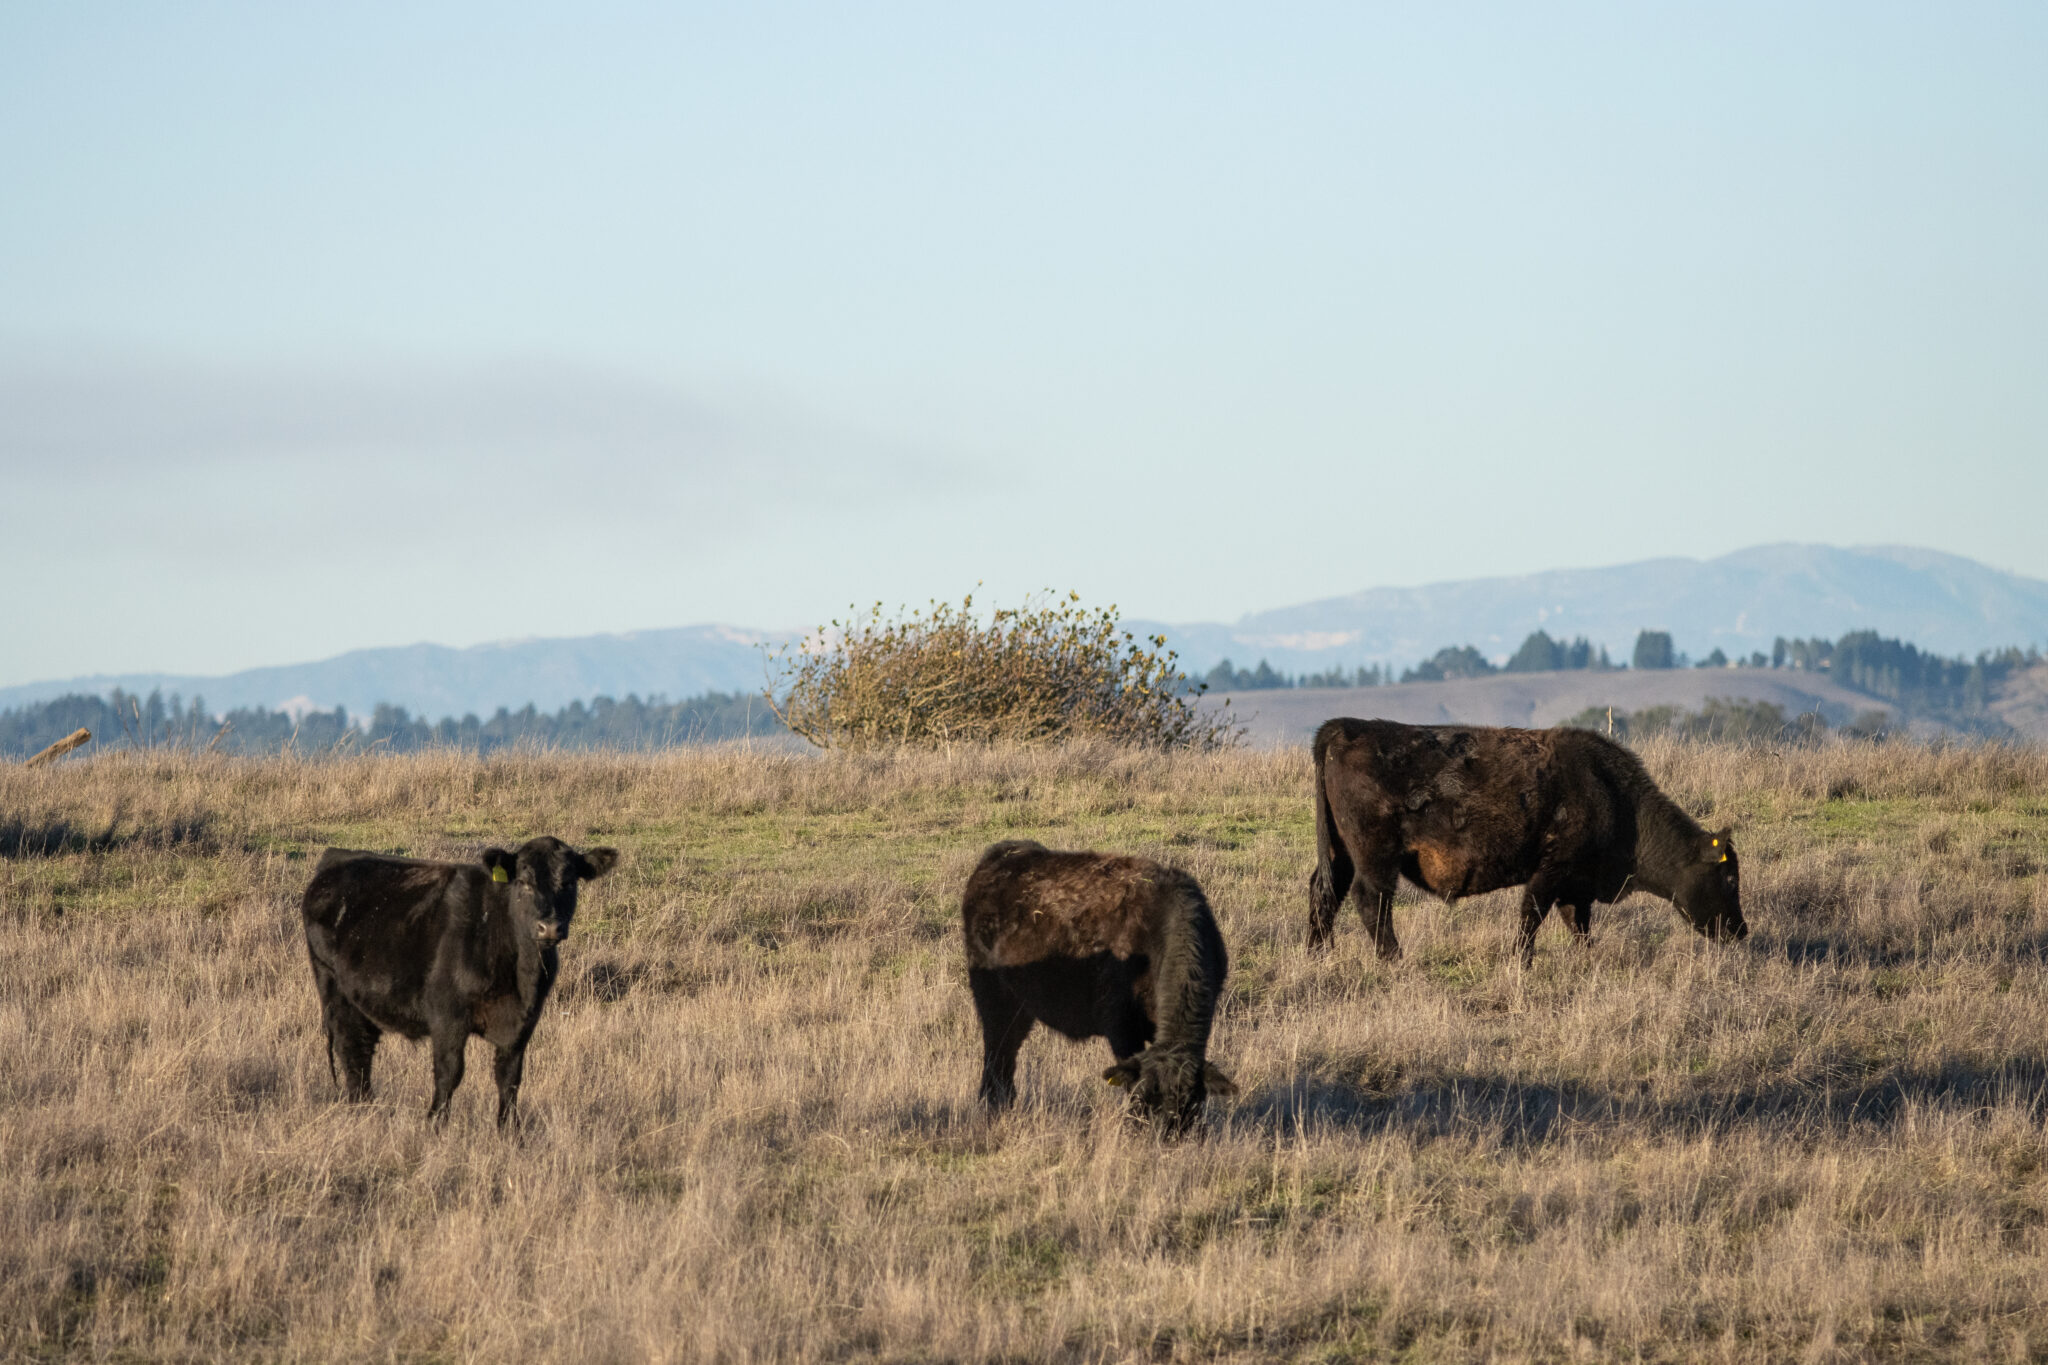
(545, 874)
(1709, 888)
(1168, 1085)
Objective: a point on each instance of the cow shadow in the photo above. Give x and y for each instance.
(604, 981)
(54, 836)
(1849, 950)
(1823, 950)
(1522, 1113)
(21, 838)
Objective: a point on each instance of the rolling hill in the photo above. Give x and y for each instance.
(1286, 716)
(435, 680)
(1739, 603)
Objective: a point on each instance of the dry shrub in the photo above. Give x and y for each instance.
(1037, 674)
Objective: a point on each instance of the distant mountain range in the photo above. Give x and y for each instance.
(436, 681)
(1739, 603)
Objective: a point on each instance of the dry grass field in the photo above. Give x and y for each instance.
(752, 1132)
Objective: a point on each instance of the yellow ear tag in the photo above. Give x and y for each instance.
(1724, 857)
(1715, 842)
(498, 874)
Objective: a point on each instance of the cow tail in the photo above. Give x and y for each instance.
(1324, 893)
(320, 979)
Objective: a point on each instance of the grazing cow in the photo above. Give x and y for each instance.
(1093, 945)
(441, 951)
(1460, 810)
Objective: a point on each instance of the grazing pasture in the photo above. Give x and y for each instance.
(752, 1127)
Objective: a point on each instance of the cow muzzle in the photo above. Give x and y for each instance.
(1727, 930)
(547, 931)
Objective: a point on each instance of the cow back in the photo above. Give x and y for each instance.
(1025, 903)
(390, 930)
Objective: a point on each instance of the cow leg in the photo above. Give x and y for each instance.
(1005, 1024)
(1580, 917)
(1375, 893)
(1535, 908)
(1358, 855)
(1129, 1028)
(351, 1038)
(1327, 887)
(1122, 1014)
(511, 1066)
(450, 1038)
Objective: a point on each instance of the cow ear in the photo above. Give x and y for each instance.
(1723, 844)
(1124, 1074)
(597, 862)
(504, 866)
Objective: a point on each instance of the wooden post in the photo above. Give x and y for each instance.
(60, 748)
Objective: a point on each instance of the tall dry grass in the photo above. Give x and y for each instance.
(752, 1134)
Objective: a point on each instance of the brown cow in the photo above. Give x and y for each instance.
(1094, 945)
(1459, 810)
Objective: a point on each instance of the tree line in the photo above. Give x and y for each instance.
(1226, 678)
(1727, 718)
(1538, 654)
(1916, 680)
(122, 719)
(1919, 681)
(1957, 691)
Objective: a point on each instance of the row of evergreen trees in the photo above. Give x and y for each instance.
(1727, 719)
(1226, 678)
(604, 724)
(1919, 681)
(1541, 654)
(1538, 654)
(1916, 681)
(155, 721)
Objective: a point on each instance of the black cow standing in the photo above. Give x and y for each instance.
(1464, 809)
(1095, 945)
(441, 951)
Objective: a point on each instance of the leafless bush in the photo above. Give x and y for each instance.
(1041, 673)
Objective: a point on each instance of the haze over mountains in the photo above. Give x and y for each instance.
(435, 680)
(1739, 603)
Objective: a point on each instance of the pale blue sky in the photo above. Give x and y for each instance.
(333, 326)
